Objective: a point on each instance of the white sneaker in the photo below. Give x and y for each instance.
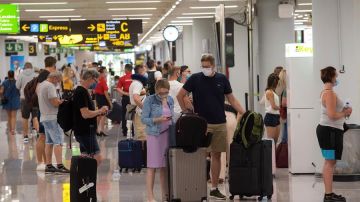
(41, 167)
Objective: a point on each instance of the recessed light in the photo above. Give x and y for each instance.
(132, 15)
(130, 9)
(79, 19)
(303, 11)
(209, 13)
(194, 17)
(181, 21)
(298, 23)
(301, 20)
(304, 4)
(211, 7)
(49, 10)
(42, 3)
(63, 16)
(131, 2)
(180, 24)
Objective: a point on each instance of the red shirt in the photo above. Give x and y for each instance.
(125, 82)
(101, 87)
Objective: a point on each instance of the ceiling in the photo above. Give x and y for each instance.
(150, 10)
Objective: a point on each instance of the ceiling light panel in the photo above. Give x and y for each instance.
(55, 20)
(181, 21)
(131, 2)
(49, 10)
(42, 3)
(194, 17)
(305, 4)
(133, 15)
(130, 9)
(208, 13)
(211, 7)
(62, 16)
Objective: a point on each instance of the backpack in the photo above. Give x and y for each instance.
(65, 115)
(151, 82)
(30, 92)
(250, 129)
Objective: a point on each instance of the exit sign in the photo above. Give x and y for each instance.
(9, 19)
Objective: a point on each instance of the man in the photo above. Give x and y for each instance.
(49, 104)
(85, 124)
(123, 88)
(208, 88)
(50, 66)
(175, 87)
(137, 96)
(153, 76)
(25, 77)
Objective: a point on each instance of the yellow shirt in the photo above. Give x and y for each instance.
(68, 83)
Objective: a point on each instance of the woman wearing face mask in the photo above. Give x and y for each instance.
(157, 115)
(331, 129)
(185, 74)
(102, 99)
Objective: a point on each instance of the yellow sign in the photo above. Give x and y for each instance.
(25, 28)
(101, 27)
(92, 27)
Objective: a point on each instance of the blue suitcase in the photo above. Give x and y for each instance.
(131, 154)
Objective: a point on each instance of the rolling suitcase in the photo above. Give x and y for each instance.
(187, 175)
(115, 113)
(250, 170)
(131, 154)
(83, 173)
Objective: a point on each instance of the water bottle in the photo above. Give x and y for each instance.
(347, 105)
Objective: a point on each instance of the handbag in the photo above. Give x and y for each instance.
(282, 156)
(130, 112)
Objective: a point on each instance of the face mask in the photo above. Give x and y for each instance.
(146, 75)
(336, 83)
(161, 97)
(207, 71)
(188, 76)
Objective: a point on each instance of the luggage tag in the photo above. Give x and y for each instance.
(86, 187)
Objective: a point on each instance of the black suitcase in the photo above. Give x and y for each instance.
(250, 170)
(83, 179)
(115, 113)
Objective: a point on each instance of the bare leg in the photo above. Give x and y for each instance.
(13, 120)
(58, 153)
(26, 127)
(101, 124)
(150, 177)
(40, 149)
(163, 183)
(98, 159)
(215, 168)
(36, 123)
(328, 172)
(48, 153)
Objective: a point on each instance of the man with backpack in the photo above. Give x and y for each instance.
(49, 103)
(32, 99)
(24, 78)
(153, 75)
(209, 90)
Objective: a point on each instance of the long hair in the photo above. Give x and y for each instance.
(272, 81)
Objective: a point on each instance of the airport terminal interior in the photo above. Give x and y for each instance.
(256, 46)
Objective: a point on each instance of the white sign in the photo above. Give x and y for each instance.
(298, 50)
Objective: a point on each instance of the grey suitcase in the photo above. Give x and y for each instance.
(187, 175)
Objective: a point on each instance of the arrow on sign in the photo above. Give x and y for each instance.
(41, 37)
(55, 37)
(92, 27)
(9, 47)
(25, 28)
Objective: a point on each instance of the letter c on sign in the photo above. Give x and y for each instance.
(124, 27)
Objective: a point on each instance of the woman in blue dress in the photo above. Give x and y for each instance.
(9, 92)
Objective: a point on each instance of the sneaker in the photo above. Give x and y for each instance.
(216, 194)
(26, 139)
(41, 167)
(50, 169)
(61, 169)
(334, 198)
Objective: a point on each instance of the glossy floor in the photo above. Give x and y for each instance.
(20, 182)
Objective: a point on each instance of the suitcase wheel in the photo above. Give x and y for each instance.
(204, 199)
(231, 197)
(260, 198)
(269, 197)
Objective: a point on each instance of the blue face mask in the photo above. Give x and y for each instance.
(336, 83)
(146, 75)
(188, 76)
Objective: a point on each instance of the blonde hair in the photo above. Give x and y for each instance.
(282, 77)
(66, 72)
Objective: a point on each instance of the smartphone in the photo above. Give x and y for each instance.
(169, 117)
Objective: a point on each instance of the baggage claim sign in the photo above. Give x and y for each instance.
(121, 34)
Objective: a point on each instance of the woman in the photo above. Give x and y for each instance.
(331, 129)
(12, 95)
(157, 115)
(272, 107)
(185, 73)
(283, 108)
(67, 84)
(102, 99)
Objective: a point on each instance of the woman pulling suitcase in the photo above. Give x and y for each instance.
(157, 115)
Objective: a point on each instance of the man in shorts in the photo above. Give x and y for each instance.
(85, 115)
(209, 90)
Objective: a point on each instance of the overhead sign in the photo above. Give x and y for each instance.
(299, 50)
(9, 19)
(32, 49)
(106, 26)
(14, 47)
(44, 27)
(123, 40)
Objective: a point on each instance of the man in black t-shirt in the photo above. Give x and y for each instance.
(84, 113)
(209, 90)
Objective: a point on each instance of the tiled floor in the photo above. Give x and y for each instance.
(20, 182)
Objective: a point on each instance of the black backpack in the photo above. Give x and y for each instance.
(65, 115)
(151, 82)
(30, 92)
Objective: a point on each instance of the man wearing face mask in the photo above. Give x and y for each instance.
(49, 104)
(209, 89)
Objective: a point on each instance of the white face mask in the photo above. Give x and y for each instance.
(207, 71)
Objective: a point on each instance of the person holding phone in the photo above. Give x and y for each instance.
(157, 115)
